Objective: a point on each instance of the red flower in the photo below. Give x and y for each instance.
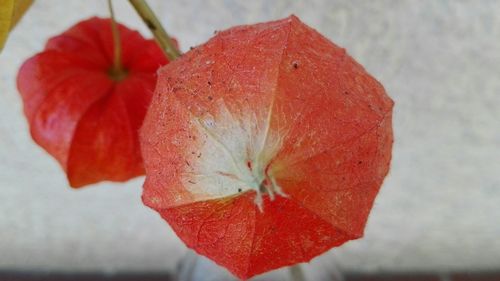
(266, 146)
(82, 113)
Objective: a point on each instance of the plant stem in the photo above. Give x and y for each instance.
(296, 273)
(154, 25)
(117, 60)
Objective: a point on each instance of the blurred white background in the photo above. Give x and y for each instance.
(439, 209)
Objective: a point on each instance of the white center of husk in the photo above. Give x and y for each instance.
(236, 155)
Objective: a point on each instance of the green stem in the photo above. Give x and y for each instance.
(117, 60)
(154, 25)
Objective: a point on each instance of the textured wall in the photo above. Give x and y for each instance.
(439, 207)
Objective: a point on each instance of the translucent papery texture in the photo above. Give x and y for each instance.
(266, 146)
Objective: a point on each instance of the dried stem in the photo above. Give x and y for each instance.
(117, 59)
(152, 22)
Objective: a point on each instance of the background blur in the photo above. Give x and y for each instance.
(439, 209)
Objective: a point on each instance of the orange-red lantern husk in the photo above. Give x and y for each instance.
(266, 146)
(83, 114)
